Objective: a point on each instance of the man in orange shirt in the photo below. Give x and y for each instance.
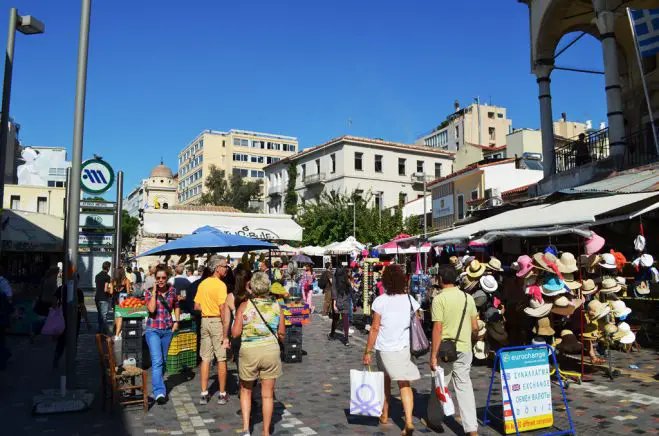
(210, 301)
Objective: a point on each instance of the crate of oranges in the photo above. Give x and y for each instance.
(131, 307)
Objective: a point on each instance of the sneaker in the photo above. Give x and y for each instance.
(160, 399)
(205, 398)
(351, 331)
(223, 399)
(347, 344)
(246, 433)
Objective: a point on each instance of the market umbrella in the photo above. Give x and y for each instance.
(208, 239)
(404, 244)
(303, 259)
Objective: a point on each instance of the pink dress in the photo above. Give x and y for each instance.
(306, 283)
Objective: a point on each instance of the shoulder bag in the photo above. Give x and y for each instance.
(419, 344)
(281, 344)
(448, 351)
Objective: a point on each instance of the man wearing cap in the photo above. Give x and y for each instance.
(210, 300)
(447, 310)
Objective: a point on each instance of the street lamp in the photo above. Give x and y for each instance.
(27, 25)
(422, 175)
(354, 219)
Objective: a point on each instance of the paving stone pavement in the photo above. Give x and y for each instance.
(311, 397)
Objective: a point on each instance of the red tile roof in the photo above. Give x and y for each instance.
(468, 168)
(519, 190)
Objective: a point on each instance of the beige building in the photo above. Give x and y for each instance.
(478, 124)
(570, 129)
(158, 191)
(41, 199)
(235, 151)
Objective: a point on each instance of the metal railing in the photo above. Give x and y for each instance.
(314, 179)
(640, 148)
(574, 153)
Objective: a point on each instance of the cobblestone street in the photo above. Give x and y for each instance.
(311, 397)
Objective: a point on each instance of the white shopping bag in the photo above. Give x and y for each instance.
(442, 393)
(366, 393)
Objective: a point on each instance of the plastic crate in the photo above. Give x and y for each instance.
(132, 344)
(133, 322)
(293, 356)
(182, 341)
(291, 347)
(181, 361)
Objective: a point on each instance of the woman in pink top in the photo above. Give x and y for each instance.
(306, 285)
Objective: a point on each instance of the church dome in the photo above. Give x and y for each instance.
(162, 171)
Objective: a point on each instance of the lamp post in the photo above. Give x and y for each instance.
(354, 218)
(425, 214)
(27, 25)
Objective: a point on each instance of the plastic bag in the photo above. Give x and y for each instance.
(54, 325)
(366, 393)
(442, 393)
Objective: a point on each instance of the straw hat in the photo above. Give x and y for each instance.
(591, 331)
(568, 343)
(455, 262)
(489, 284)
(494, 264)
(475, 269)
(543, 327)
(569, 309)
(481, 350)
(608, 261)
(468, 285)
(642, 288)
(608, 328)
(546, 261)
(497, 331)
(480, 298)
(588, 287)
(597, 310)
(552, 286)
(624, 334)
(609, 285)
(561, 301)
(568, 263)
(570, 281)
(590, 262)
(525, 265)
(622, 282)
(538, 310)
(619, 308)
(482, 329)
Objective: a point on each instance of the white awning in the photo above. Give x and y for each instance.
(252, 225)
(344, 247)
(311, 250)
(30, 231)
(569, 212)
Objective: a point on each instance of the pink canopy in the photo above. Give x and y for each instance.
(404, 244)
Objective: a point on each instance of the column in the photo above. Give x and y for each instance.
(605, 20)
(543, 72)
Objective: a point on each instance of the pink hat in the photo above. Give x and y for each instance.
(525, 265)
(594, 244)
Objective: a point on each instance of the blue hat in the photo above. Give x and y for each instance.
(553, 285)
(551, 249)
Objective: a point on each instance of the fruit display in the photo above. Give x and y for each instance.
(133, 303)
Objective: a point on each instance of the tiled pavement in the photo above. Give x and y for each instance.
(312, 397)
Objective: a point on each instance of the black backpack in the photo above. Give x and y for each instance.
(323, 280)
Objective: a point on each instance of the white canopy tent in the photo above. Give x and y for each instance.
(312, 250)
(251, 225)
(580, 212)
(344, 247)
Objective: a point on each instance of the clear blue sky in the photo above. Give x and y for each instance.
(160, 72)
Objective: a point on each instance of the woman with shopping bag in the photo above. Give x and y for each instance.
(390, 338)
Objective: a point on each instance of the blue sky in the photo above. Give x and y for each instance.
(160, 72)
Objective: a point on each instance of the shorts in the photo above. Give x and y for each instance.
(260, 362)
(212, 332)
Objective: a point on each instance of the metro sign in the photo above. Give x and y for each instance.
(96, 176)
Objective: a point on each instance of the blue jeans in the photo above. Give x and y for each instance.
(158, 342)
(102, 308)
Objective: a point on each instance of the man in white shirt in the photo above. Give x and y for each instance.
(180, 281)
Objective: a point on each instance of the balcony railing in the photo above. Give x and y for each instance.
(275, 190)
(315, 179)
(640, 149)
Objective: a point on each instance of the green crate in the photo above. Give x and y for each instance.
(184, 359)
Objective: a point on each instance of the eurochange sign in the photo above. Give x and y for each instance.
(527, 372)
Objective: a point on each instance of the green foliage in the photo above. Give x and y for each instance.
(94, 198)
(412, 225)
(235, 192)
(330, 217)
(290, 200)
(129, 227)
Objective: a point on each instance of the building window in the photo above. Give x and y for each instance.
(15, 201)
(257, 174)
(317, 166)
(490, 115)
(304, 171)
(401, 166)
(42, 205)
(499, 115)
(419, 166)
(492, 132)
(378, 163)
(488, 194)
(457, 131)
(256, 159)
(258, 144)
(239, 157)
(271, 159)
(438, 170)
(224, 143)
(461, 206)
(474, 194)
(402, 199)
(333, 162)
(457, 145)
(241, 142)
(358, 194)
(358, 161)
(241, 172)
(378, 201)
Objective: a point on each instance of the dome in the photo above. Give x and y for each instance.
(162, 171)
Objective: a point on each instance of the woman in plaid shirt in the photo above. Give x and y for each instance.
(160, 326)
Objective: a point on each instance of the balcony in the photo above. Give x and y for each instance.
(315, 179)
(275, 190)
(417, 181)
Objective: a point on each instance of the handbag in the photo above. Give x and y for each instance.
(448, 351)
(419, 344)
(54, 325)
(442, 393)
(366, 393)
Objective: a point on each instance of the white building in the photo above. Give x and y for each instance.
(350, 165)
(158, 191)
(42, 166)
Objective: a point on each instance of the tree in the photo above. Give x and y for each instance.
(330, 219)
(290, 200)
(235, 192)
(129, 227)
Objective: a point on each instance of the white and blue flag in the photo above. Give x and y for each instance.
(646, 27)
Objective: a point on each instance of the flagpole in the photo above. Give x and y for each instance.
(645, 86)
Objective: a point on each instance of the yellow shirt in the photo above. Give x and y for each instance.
(211, 294)
(447, 308)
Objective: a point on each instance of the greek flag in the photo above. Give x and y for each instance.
(646, 27)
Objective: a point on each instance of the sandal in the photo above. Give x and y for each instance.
(407, 431)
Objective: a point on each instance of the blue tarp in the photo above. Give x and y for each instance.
(208, 239)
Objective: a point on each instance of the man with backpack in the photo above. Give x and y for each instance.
(325, 283)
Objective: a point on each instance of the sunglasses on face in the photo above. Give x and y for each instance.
(161, 278)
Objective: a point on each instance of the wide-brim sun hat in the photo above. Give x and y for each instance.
(569, 343)
(568, 310)
(538, 310)
(494, 264)
(589, 287)
(525, 265)
(624, 335)
(608, 261)
(481, 350)
(475, 269)
(561, 301)
(597, 310)
(497, 330)
(570, 281)
(642, 288)
(482, 328)
(593, 244)
(468, 285)
(543, 327)
(646, 260)
(568, 263)
(609, 285)
(619, 308)
(489, 284)
(552, 286)
(548, 262)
